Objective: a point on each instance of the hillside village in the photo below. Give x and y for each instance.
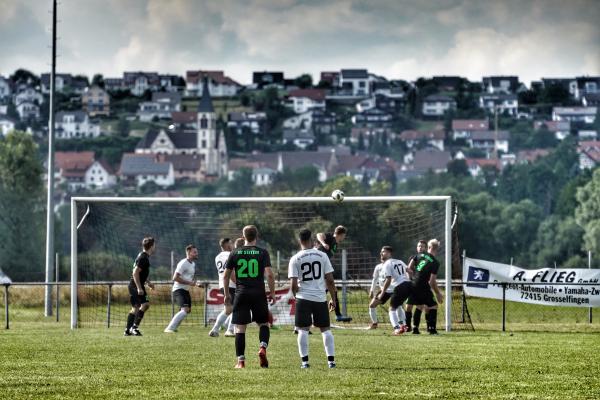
(146, 133)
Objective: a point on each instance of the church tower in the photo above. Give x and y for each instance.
(207, 139)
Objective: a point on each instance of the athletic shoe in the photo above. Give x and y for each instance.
(433, 332)
(331, 364)
(135, 331)
(398, 331)
(167, 330)
(305, 365)
(229, 334)
(408, 328)
(241, 364)
(127, 333)
(415, 331)
(262, 356)
(342, 318)
(213, 334)
(373, 325)
(405, 328)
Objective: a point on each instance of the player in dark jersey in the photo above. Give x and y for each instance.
(421, 248)
(137, 291)
(250, 264)
(328, 244)
(424, 279)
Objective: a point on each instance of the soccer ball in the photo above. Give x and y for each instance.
(337, 195)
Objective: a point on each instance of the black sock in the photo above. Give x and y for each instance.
(138, 317)
(305, 359)
(263, 334)
(338, 313)
(417, 318)
(432, 319)
(427, 320)
(408, 318)
(130, 318)
(240, 344)
(330, 358)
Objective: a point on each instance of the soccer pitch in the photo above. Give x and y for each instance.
(54, 362)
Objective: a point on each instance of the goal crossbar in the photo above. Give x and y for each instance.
(189, 200)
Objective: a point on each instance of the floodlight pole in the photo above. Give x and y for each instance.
(448, 264)
(50, 204)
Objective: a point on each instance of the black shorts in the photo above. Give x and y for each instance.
(182, 298)
(231, 293)
(401, 293)
(423, 296)
(135, 299)
(386, 296)
(250, 306)
(311, 313)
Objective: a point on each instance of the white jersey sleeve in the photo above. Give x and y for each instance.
(186, 270)
(220, 261)
(395, 269)
(376, 277)
(310, 267)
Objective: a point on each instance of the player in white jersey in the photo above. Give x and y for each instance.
(376, 284)
(183, 278)
(224, 318)
(310, 273)
(394, 285)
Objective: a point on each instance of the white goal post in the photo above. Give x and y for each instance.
(78, 201)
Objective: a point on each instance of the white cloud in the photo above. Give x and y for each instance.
(401, 39)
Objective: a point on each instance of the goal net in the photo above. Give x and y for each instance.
(107, 234)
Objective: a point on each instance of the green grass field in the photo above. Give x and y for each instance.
(50, 361)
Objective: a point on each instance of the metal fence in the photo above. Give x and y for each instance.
(106, 304)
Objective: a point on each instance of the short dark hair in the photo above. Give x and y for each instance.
(340, 230)
(250, 233)
(239, 242)
(423, 241)
(148, 242)
(388, 248)
(304, 235)
(224, 241)
(189, 248)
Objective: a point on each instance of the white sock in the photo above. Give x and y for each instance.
(220, 321)
(401, 315)
(328, 343)
(393, 318)
(303, 342)
(229, 324)
(373, 314)
(177, 318)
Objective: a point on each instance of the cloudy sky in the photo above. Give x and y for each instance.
(395, 38)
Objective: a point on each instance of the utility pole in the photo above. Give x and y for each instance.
(50, 204)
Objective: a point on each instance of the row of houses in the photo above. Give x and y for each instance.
(352, 83)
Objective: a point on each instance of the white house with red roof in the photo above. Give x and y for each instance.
(463, 128)
(303, 100)
(219, 84)
(589, 154)
(80, 169)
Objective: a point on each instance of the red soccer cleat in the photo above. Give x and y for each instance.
(262, 356)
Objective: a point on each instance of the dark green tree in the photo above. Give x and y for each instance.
(21, 208)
